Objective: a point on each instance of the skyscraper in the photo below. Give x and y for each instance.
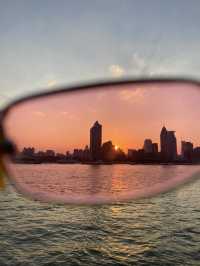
(148, 146)
(172, 146)
(155, 148)
(163, 143)
(95, 140)
(168, 145)
(187, 150)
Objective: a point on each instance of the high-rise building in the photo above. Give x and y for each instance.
(68, 155)
(172, 146)
(187, 150)
(86, 153)
(148, 146)
(155, 148)
(108, 151)
(196, 154)
(168, 145)
(95, 141)
(132, 154)
(163, 143)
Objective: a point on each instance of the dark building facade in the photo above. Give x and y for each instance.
(95, 141)
(168, 145)
(155, 148)
(108, 151)
(148, 146)
(196, 154)
(187, 150)
(132, 154)
(30, 151)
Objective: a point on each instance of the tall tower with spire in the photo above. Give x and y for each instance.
(163, 143)
(95, 141)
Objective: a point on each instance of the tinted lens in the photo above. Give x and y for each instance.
(106, 144)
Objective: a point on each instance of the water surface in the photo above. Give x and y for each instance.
(159, 231)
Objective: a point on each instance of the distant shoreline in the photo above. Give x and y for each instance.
(111, 163)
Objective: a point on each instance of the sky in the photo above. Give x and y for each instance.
(44, 44)
(129, 114)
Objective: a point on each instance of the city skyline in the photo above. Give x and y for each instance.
(129, 114)
(99, 150)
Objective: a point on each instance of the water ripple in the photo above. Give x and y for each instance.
(159, 231)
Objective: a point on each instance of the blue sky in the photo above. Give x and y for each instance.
(49, 43)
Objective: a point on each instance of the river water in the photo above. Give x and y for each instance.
(164, 230)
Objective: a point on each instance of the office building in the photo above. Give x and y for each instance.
(95, 141)
(168, 145)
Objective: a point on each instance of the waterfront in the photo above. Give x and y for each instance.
(157, 231)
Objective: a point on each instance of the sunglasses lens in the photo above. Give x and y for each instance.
(106, 144)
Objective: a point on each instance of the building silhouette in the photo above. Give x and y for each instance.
(95, 141)
(108, 151)
(86, 153)
(168, 145)
(155, 148)
(196, 154)
(50, 153)
(148, 146)
(187, 150)
(30, 151)
(132, 154)
(77, 154)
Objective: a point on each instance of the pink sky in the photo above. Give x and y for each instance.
(128, 114)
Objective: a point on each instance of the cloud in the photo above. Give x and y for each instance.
(116, 70)
(140, 65)
(154, 64)
(133, 96)
(136, 65)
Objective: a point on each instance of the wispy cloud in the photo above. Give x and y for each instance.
(136, 64)
(139, 64)
(116, 70)
(133, 96)
(147, 65)
(154, 64)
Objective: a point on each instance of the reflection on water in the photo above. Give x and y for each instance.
(159, 231)
(98, 182)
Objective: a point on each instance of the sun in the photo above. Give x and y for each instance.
(116, 147)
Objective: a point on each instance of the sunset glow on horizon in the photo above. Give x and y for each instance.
(128, 115)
